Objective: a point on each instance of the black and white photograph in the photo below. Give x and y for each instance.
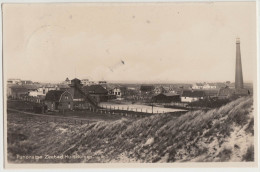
(134, 83)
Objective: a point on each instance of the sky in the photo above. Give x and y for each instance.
(136, 42)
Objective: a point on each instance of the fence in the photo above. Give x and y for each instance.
(130, 112)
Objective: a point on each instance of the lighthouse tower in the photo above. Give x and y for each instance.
(239, 75)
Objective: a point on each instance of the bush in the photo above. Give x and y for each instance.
(250, 127)
(209, 103)
(249, 156)
(225, 154)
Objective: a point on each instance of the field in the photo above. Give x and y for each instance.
(222, 134)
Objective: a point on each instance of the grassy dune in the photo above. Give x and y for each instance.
(223, 134)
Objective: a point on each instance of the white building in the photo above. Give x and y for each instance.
(197, 86)
(204, 86)
(209, 86)
(14, 81)
(192, 96)
(41, 91)
(87, 82)
(119, 92)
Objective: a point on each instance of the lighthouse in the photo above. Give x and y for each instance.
(239, 74)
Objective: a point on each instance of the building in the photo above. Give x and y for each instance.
(211, 93)
(192, 95)
(209, 86)
(16, 91)
(197, 86)
(14, 81)
(166, 98)
(41, 91)
(99, 93)
(87, 82)
(66, 82)
(205, 86)
(63, 87)
(81, 100)
(26, 82)
(119, 92)
(32, 90)
(59, 100)
(159, 90)
(225, 93)
(103, 84)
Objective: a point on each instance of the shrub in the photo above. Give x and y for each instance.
(250, 127)
(225, 154)
(249, 155)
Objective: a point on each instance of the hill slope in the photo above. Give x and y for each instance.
(224, 134)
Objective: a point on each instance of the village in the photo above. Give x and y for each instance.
(83, 94)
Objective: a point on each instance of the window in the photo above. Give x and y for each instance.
(43, 91)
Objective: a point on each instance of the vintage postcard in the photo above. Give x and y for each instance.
(130, 84)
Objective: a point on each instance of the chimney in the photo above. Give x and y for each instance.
(239, 75)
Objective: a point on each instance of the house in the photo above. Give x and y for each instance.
(26, 82)
(119, 92)
(41, 91)
(66, 82)
(59, 100)
(166, 98)
(220, 85)
(204, 86)
(87, 82)
(197, 86)
(32, 90)
(192, 95)
(14, 81)
(63, 87)
(211, 93)
(99, 93)
(159, 90)
(207, 86)
(16, 91)
(103, 84)
(225, 93)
